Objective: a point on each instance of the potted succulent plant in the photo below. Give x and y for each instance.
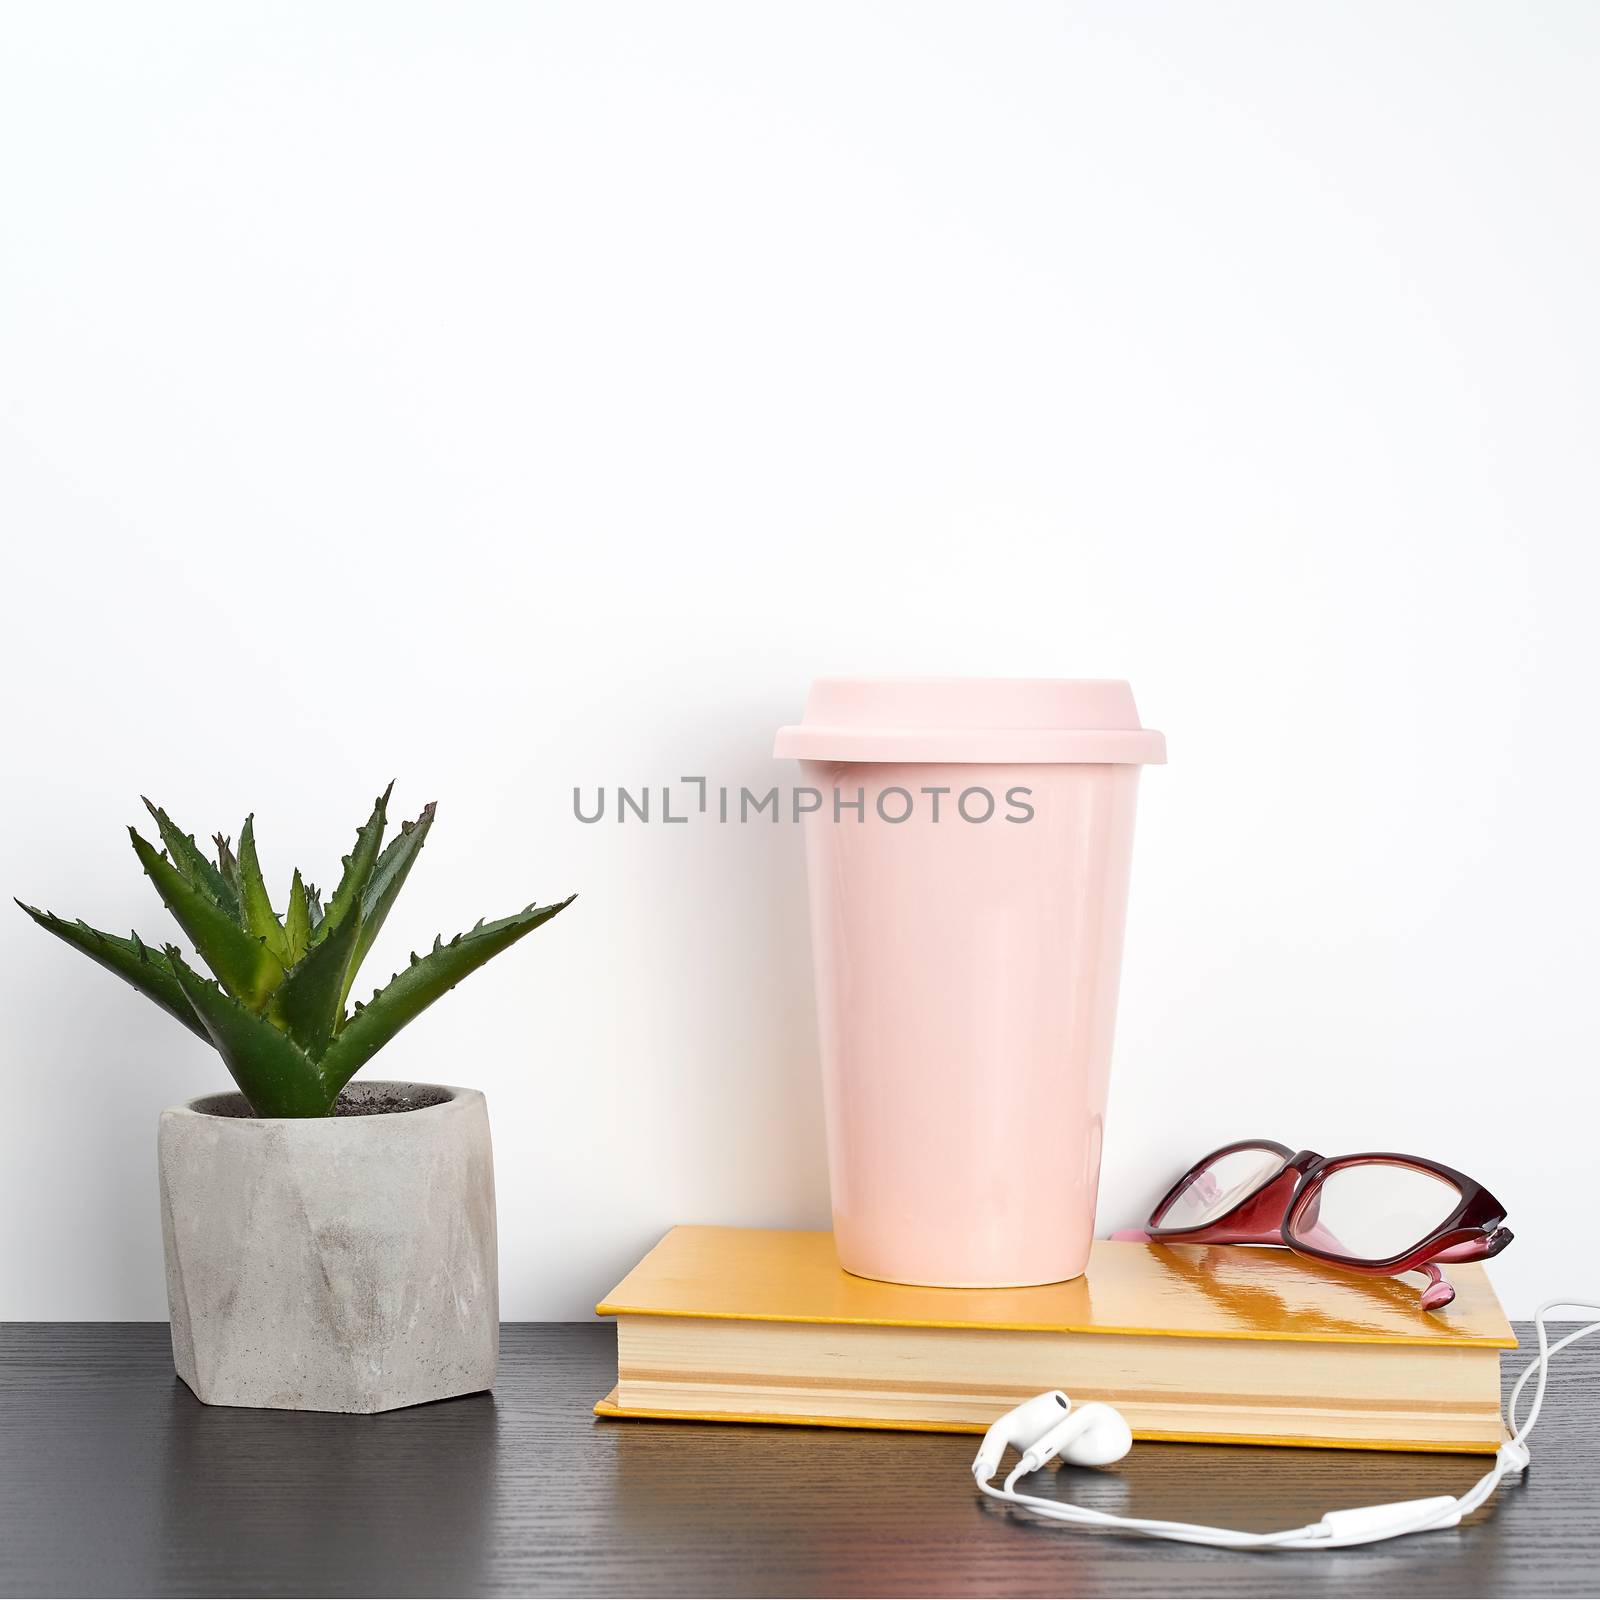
(328, 1248)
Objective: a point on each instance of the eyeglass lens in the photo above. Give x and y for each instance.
(1374, 1210)
(1216, 1188)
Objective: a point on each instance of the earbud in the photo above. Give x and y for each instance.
(1019, 1428)
(1094, 1435)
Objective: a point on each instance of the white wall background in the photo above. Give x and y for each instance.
(504, 397)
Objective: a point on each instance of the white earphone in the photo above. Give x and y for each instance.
(1045, 1427)
(1094, 1435)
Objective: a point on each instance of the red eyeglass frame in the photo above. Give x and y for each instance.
(1268, 1214)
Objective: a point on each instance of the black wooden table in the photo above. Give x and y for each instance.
(114, 1480)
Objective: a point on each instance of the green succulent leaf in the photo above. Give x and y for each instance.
(248, 970)
(383, 887)
(310, 1000)
(146, 969)
(358, 867)
(191, 861)
(274, 1074)
(228, 866)
(259, 917)
(411, 992)
(276, 1012)
(297, 921)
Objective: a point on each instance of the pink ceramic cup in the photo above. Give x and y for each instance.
(966, 928)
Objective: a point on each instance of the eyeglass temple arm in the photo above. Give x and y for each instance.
(1439, 1292)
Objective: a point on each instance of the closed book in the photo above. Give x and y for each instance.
(1222, 1343)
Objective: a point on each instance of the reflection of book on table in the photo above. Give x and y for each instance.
(1216, 1342)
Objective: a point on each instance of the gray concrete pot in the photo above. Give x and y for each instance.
(332, 1263)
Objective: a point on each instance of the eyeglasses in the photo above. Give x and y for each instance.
(1378, 1213)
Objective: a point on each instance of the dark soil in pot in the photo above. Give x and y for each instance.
(378, 1102)
(358, 1100)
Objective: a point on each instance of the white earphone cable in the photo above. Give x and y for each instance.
(1363, 1524)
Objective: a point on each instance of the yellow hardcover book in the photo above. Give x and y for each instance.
(1222, 1343)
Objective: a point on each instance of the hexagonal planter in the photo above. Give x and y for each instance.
(344, 1263)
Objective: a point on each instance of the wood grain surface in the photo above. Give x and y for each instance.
(114, 1480)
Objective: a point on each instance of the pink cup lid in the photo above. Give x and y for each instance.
(971, 719)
